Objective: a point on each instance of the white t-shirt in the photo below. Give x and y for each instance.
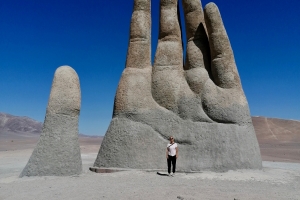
(172, 149)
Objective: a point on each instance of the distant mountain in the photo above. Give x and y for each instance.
(267, 129)
(279, 139)
(22, 126)
(276, 130)
(16, 124)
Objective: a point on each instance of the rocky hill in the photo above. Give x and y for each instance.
(276, 130)
(23, 133)
(19, 125)
(279, 139)
(267, 129)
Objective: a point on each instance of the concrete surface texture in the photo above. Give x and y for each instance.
(57, 152)
(200, 102)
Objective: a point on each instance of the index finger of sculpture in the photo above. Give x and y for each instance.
(223, 65)
(169, 49)
(139, 49)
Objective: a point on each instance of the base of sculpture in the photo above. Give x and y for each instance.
(139, 141)
(57, 152)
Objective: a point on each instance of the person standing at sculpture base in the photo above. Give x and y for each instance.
(172, 155)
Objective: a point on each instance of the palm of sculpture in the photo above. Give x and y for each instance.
(201, 103)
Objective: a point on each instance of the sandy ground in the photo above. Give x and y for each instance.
(282, 152)
(277, 180)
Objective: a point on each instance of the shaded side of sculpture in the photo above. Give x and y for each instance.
(58, 152)
(200, 102)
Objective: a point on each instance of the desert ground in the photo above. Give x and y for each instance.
(279, 178)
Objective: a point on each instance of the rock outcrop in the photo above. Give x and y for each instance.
(57, 152)
(200, 102)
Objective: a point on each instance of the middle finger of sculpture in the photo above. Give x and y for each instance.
(201, 103)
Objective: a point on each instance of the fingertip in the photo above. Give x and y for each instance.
(213, 19)
(211, 6)
(211, 10)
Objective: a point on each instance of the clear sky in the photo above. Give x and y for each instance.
(37, 36)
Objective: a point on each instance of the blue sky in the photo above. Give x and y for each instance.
(37, 36)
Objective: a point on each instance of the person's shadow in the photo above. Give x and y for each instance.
(162, 174)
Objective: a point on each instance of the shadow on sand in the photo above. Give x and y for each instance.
(162, 174)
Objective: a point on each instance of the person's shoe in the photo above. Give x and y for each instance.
(173, 174)
(169, 174)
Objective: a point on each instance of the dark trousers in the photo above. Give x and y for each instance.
(171, 159)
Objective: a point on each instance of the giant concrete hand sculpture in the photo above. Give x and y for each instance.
(57, 152)
(201, 103)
